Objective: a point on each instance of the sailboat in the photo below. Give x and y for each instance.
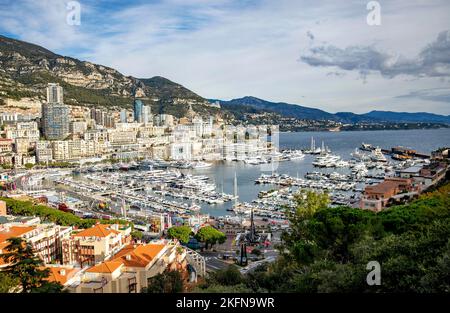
(313, 149)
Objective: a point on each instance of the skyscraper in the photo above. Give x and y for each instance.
(137, 110)
(54, 93)
(55, 115)
(123, 116)
(146, 114)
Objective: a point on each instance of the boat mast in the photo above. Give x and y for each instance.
(236, 196)
(124, 209)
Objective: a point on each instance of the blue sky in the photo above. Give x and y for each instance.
(320, 54)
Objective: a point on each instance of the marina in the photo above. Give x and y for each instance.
(227, 189)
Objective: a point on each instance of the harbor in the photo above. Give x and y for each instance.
(227, 190)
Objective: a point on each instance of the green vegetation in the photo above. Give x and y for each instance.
(166, 282)
(29, 166)
(137, 235)
(225, 280)
(210, 236)
(328, 249)
(27, 268)
(8, 283)
(182, 233)
(28, 208)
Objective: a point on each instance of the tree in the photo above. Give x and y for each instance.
(228, 277)
(29, 166)
(182, 233)
(166, 282)
(210, 236)
(137, 235)
(297, 242)
(7, 283)
(27, 268)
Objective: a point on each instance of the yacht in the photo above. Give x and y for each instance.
(366, 147)
(194, 207)
(293, 154)
(253, 161)
(377, 155)
(200, 164)
(328, 160)
(360, 156)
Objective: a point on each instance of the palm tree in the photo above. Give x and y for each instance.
(27, 268)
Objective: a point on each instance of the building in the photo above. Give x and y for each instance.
(123, 116)
(94, 245)
(44, 151)
(6, 145)
(78, 127)
(377, 197)
(45, 239)
(137, 110)
(7, 117)
(54, 93)
(146, 115)
(55, 121)
(164, 120)
(131, 268)
(55, 115)
(65, 275)
(431, 174)
(28, 130)
(102, 118)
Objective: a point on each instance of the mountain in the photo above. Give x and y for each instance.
(419, 117)
(293, 110)
(285, 109)
(25, 70)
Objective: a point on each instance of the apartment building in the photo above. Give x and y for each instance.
(93, 245)
(376, 198)
(44, 151)
(6, 145)
(27, 130)
(131, 268)
(45, 238)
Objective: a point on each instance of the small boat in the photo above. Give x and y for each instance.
(366, 147)
(200, 164)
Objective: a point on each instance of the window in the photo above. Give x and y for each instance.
(132, 285)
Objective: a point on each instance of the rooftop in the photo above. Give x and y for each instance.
(61, 274)
(98, 230)
(105, 267)
(138, 256)
(15, 231)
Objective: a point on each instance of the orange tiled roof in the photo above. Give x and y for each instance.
(56, 274)
(3, 245)
(15, 231)
(139, 256)
(105, 267)
(99, 230)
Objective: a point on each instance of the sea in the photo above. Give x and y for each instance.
(340, 143)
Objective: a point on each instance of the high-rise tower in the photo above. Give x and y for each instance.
(55, 115)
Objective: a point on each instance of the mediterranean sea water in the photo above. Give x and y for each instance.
(340, 143)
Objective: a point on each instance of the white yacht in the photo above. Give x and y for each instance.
(200, 164)
(328, 160)
(377, 155)
(294, 154)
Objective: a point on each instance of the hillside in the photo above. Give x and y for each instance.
(420, 117)
(285, 109)
(300, 112)
(25, 69)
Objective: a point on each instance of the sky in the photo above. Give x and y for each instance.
(322, 54)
